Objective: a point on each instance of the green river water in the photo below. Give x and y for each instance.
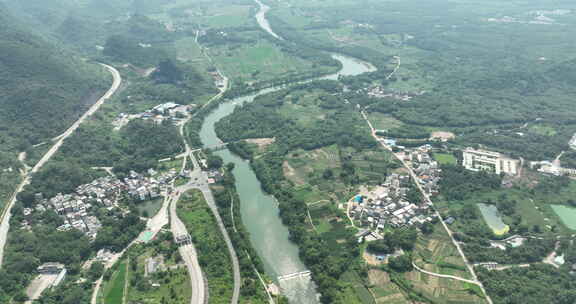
(260, 211)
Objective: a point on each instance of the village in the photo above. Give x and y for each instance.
(391, 204)
(163, 112)
(380, 92)
(78, 209)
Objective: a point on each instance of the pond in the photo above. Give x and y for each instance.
(493, 219)
(567, 215)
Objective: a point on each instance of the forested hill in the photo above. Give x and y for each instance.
(43, 88)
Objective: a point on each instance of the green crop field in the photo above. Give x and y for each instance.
(114, 292)
(257, 62)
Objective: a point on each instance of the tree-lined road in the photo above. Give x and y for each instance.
(5, 217)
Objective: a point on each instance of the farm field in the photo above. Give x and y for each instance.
(384, 290)
(114, 289)
(260, 61)
(443, 290)
(383, 121)
(436, 253)
(307, 170)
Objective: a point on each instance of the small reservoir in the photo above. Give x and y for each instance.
(493, 219)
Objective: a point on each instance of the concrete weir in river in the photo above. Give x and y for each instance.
(259, 210)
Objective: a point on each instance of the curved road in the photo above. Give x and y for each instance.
(444, 275)
(5, 217)
(199, 180)
(189, 255)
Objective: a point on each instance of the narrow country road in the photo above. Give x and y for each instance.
(398, 63)
(444, 275)
(429, 202)
(5, 216)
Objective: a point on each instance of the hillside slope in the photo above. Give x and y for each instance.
(42, 87)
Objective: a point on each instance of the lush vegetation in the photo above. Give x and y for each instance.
(228, 203)
(213, 254)
(28, 248)
(492, 91)
(167, 282)
(333, 254)
(535, 284)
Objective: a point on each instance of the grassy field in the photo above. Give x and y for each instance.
(211, 248)
(445, 159)
(171, 164)
(114, 290)
(258, 62)
(222, 16)
(566, 214)
(383, 121)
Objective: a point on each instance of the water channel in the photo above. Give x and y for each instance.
(259, 211)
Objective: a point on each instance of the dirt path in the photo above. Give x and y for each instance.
(398, 63)
(445, 275)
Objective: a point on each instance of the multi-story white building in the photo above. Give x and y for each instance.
(482, 160)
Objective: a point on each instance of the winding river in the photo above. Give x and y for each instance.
(259, 211)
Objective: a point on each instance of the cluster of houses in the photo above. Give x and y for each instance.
(424, 166)
(166, 111)
(388, 205)
(381, 92)
(219, 80)
(76, 209)
(552, 168)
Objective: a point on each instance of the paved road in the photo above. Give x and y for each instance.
(153, 225)
(5, 217)
(199, 180)
(189, 255)
(429, 202)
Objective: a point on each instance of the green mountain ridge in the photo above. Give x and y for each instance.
(43, 88)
